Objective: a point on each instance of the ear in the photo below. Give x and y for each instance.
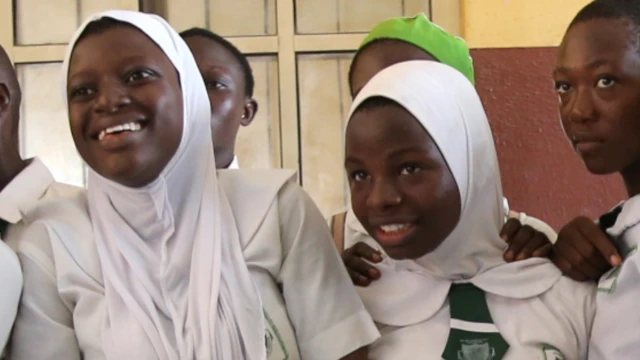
(250, 110)
(5, 99)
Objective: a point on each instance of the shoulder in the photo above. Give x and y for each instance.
(252, 193)
(57, 226)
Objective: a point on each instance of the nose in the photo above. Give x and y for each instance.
(581, 108)
(384, 195)
(112, 96)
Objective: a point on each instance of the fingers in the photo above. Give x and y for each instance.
(518, 242)
(509, 229)
(599, 239)
(583, 252)
(365, 251)
(544, 251)
(538, 240)
(576, 256)
(361, 272)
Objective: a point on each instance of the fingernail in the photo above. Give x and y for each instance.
(377, 257)
(520, 257)
(615, 260)
(509, 255)
(504, 238)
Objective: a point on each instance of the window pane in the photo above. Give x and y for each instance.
(34, 24)
(257, 144)
(350, 16)
(44, 130)
(225, 17)
(324, 106)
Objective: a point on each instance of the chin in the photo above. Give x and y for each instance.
(599, 167)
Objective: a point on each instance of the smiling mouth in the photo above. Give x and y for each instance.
(394, 234)
(133, 126)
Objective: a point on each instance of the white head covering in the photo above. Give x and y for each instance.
(448, 107)
(176, 284)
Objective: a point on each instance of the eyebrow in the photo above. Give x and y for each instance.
(392, 154)
(591, 65)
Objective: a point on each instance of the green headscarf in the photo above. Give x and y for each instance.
(419, 31)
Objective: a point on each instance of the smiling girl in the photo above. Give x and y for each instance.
(431, 200)
(162, 259)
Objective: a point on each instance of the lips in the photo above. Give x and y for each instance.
(118, 134)
(393, 234)
(585, 144)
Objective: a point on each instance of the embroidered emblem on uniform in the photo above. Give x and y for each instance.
(607, 283)
(276, 350)
(476, 349)
(551, 353)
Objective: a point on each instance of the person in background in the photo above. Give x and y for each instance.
(426, 190)
(597, 77)
(416, 38)
(23, 184)
(164, 257)
(229, 80)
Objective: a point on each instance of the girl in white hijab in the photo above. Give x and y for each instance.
(160, 259)
(426, 193)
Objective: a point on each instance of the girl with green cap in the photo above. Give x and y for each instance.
(403, 39)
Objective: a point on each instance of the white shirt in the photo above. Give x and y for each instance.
(33, 184)
(234, 164)
(317, 316)
(539, 328)
(615, 329)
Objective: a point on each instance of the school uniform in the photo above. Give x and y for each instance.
(63, 306)
(31, 186)
(234, 164)
(195, 265)
(462, 301)
(614, 333)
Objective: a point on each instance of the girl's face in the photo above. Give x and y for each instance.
(125, 105)
(380, 55)
(597, 77)
(225, 81)
(402, 190)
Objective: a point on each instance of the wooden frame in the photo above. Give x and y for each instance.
(286, 45)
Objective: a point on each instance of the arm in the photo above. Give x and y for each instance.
(44, 326)
(329, 318)
(360, 354)
(11, 280)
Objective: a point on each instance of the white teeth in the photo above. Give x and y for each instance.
(131, 126)
(394, 227)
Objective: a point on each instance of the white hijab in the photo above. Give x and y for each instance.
(176, 284)
(412, 291)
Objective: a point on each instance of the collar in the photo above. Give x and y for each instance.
(629, 216)
(27, 187)
(234, 164)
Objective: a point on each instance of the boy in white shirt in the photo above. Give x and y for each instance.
(22, 184)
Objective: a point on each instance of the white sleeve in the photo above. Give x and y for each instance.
(327, 314)
(44, 326)
(539, 225)
(11, 281)
(615, 329)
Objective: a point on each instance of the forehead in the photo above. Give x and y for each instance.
(209, 50)
(97, 50)
(391, 125)
(596, 40)
(380, 55)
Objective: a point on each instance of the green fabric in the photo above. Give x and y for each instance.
(468, 303)
(421, 32)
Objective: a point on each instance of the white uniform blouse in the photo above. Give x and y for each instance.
(33, 184)
(316, 315)
(615, 329)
